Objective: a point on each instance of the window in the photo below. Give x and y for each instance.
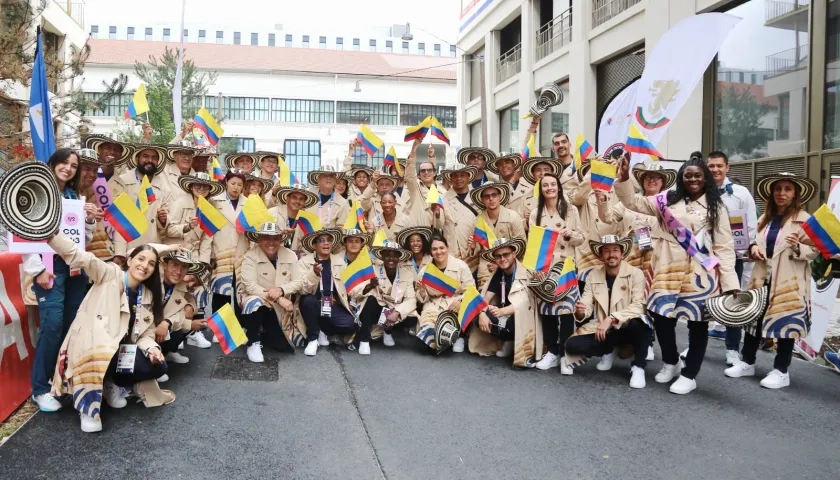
(302, 156)
(94, 31)
(202, 36)
(421, 48)
(356, 44)
(129, 33)
(414, 114)
(148, 34)
(112, 33)
(237, 38)
(113, 106)
(255, 39)
(302, 111)
(831, 122)
(305, 42)
(389, 46)
(405, 47)
(288, 40)
(369, 113)
(452, 50)
(784, 117)
(475, 134)
(339, 43)
(165, 34)
(322, 42)
(271, 39)
(220, 36)
(509, 129)
(437, 49)
(373, 45)
(360, 157)
(475, 73)
(240, 108)
(230, 145)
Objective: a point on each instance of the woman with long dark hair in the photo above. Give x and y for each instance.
(555, 213)
(694, 260)
(783, 263)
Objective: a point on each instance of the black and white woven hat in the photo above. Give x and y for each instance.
(30, 203)
(195, 267)
(447, 330)
(163, 156)
(269, 229)
(740, 309)
(547, 289)
(528, 168)
(464, 154)
(502, 187)
(200, 178)
(516, 244)
(284, 192)
(389, 246)
(231, 158)
(626, 244)
(307, 243)
(94, 141)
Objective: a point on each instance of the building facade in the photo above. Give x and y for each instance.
(769, 100)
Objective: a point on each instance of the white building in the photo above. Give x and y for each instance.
(305, 102)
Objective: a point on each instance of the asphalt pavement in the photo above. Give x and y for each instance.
(402, 413)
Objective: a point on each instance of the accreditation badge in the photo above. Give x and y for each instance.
(125, 358)
(326, 307)
(643, 238)
(740, 232)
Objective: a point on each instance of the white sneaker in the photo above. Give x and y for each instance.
(176, 357)
(548, 361)
(668, 372)
(459, 346)
(181, 346)
(732, 357)
(113, 395)
(565, 369)
(254, 352)
(606, 362)
(683, 386)
(215, 340)
(323, 340)
(364, 348)
(311, 348)
(46, 402)
(650, 356)
(637, 377)
(163, 378)
(740, 369)
(506, 350)
(388, 340)
(197, 339)
(90, 424)
(776, 379)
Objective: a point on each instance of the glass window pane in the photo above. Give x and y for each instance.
(831, 129)
(367, 113)
(414, 114)
(509, 129)
(302, 156)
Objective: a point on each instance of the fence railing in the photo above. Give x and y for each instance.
(509, 64)
(786, 60)
(777, 8)
(76, 10)
(603, 10)
(554, 34)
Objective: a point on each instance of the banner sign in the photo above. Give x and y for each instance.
(740, 230)
(72, 224)
(17, 337)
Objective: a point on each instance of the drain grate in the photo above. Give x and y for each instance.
(240, 368)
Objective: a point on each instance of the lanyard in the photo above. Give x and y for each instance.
(167, 292)
(136, 307)
(70, 194)
(414, 262)
(504, 285)
(395, 286)
(321, 278)
(326, 222)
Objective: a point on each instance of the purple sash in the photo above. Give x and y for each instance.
(103, 199)
(683, 235)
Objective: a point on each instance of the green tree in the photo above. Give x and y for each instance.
(739, 117)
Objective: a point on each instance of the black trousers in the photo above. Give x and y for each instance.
(556, 340)
(220, 300)
(784, 350)
(144, 370)
(175, 339)
(340, 321)
(698, 339)
(263, 326)
(635, 333)
(502, 331)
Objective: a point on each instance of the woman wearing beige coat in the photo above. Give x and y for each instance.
(229, 246)
(183, 228)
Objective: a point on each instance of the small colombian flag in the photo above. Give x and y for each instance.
(145, 195)
(285, 175)
(253, 214)
(370, 142)
(358, 272)
(211, 129)
(139, 104)
(418, 131)
(539, 251)
(439, 281)
(218, 174)
(434, 196)
(638, 143)
(226, 328)
(471, 305)
(482, 233)
(438, 131)
(568, 277)
(126, 218)
(603, 175)
(824, 229)
(308, 222)
(583, 150)
(209, 219)
(355, 217)
(390, 158)
(530, 149)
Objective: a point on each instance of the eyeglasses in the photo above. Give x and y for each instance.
(502, 255)
(323, 240)
(427, 170)
(485, 196)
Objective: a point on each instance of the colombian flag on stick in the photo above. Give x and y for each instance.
(285, 175)
(434, 196)
(370, 142)
(379, 238)
(483, 234)
(471, 305)
(308, 222)
(358, 272)
(638, 143)
(209, 219)
(540, 249)
(356, 217)
(438, 131)
(145, 195)
(568, 278)
(530, 149)
(253, 214)
(390, 158)
(126, 218)
(139, 104)
(226, 328)
(583, 150)
(418, 131)
(217, 172)
(439, 281)
(823, 228)
(208, 126)
(603, 175)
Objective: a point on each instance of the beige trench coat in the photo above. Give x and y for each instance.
(518, 196)
(592, 226)
(100, 245)
(458, 226)
(195, 240)
(257, 275)
(333, 213)
(563, 248)
(174, 309)
(127, 182)
(507, 225)
(400, 223)
(169, 182)
(281, 214)
(228, 246)
(399, 296)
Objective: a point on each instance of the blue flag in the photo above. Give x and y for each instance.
(40, 118)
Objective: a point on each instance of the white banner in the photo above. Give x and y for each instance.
(674, 68)
(72, 224)
(616, 120)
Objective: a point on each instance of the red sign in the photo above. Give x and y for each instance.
(17, 338)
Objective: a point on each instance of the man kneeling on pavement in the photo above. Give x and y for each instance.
(615, 294)
(179, 306)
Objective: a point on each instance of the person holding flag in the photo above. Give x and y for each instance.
(532, 171)
(390, 293)
(391, 219)
(331, 207)
(359, 175)
(562, 148)
(179, 307)
(382, 183)
(100, 243)
(184, 226)
(478, 157)
(494, 221)
(418, 182)
(179, 162)
(509, 326)
(111, 154)
(458, 217)
(291, 200)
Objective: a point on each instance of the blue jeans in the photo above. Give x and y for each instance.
(733, 334)
(57, 307)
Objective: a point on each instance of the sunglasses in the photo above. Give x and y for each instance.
(486, 196)
(427, 170)
(323, 240)
(502, 255)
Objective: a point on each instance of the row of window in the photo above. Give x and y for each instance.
(295, 111)
(272, 40)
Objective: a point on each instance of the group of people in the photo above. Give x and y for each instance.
(648, 254)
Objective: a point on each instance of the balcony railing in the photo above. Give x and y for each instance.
(776, 8)
(509, 64)
(554, 34)
(603, 10)
(76, 10)
(787, 60)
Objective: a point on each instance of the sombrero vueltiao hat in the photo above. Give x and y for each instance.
(266, 184)
(182, 146)
(389, 246)
(196, 268)
(284, 192)
(446, 175)
(447, 330)
(764, 186)
(313, 176)
(528, 168)
(95, 141)
(669, 176)
(308, 241)
(494, 164)
(406, 233)
(547, 289)
(270, 229)
(584, 169)
(30, 203)
(739, 310)
(231, 158)
(502, 187)
(261, 155)
(366, 238)
(517, 244)
(355, 168)
(200, 178)
(464, 154)
(89, 155)
(163, 153)
(384, 175)
(625, 243)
